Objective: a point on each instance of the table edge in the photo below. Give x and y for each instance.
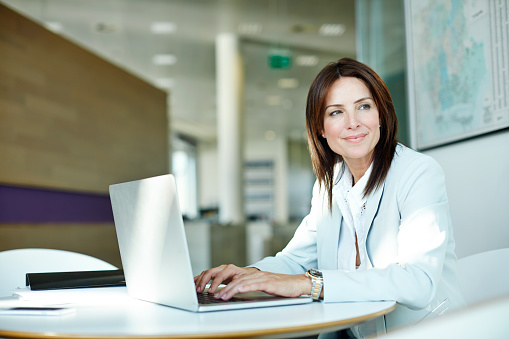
(243, 334)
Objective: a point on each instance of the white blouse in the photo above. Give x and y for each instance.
(352, 205)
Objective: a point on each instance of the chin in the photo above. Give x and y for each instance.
(357, 154)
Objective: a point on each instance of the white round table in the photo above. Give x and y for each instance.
(130, 318)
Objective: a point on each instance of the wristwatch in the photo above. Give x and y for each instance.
(317, 281)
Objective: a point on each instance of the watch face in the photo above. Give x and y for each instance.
(316, 273)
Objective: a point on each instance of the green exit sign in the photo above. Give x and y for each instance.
(280, 61)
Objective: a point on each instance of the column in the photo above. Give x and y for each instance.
(230, 82)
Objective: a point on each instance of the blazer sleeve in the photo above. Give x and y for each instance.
(301, 252)
(422, 225)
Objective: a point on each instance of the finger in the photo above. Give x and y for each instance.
(197, 278)
(200, 282)
(223, 275)
(205, 277)
(240, 285)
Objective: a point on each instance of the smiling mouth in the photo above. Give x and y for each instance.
(355, 138)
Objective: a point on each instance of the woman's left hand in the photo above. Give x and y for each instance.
(272, 283)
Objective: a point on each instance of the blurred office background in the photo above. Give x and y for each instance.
(119, 90)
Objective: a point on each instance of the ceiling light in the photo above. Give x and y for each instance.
(162, 27)
(288, 83)
(54, 26)
(270, 135)
(273, 100)
(250, 28)
(164, 83)
(307, 60)
(332, 29)
(164, 59)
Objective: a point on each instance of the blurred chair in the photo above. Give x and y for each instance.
(484, 275)
(484, 320)
(14, 264)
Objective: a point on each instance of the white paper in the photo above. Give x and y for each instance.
(83, 296)
(16, 301)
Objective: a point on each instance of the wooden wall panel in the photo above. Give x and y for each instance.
(69, 119)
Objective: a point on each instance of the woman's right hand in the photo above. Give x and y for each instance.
(220, 275)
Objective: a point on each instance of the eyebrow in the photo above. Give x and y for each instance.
(355, 102)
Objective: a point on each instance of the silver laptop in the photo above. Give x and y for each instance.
(154, 252)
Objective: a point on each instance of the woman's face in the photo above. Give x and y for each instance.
(351, 121)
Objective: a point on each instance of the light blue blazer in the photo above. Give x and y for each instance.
(410, 244)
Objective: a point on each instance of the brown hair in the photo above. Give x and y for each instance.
(324, 159)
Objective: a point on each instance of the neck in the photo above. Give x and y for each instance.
(358, 169)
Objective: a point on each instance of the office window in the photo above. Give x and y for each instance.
(380, 29)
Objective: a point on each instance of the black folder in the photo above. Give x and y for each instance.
(79, 279)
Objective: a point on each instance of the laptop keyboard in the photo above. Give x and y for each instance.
(208, 298)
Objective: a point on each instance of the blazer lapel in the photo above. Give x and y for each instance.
(372, 205)
(329, 238)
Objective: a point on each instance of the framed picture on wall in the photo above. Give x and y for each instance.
(458, 69)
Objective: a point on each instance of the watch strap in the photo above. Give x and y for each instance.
(316, 286)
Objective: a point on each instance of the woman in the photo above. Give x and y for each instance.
(379, 226)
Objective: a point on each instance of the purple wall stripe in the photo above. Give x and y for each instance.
(32, 205)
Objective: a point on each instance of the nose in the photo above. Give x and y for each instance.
(353, 121)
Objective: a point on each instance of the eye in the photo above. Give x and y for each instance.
(336, 112)
(365, 107)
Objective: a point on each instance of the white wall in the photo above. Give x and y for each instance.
(477, 179)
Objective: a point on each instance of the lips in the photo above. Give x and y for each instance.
(355, 138)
